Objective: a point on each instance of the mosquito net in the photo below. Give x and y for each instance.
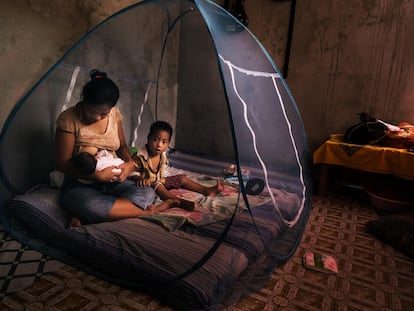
(194, 65)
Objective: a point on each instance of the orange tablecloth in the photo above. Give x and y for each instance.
(374, 159)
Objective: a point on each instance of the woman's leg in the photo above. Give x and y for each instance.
(86, 204)
(123, 208)
(133, 201)
(112, 202)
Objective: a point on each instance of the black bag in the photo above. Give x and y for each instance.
(368, 131)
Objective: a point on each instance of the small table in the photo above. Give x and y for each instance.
(368, 158)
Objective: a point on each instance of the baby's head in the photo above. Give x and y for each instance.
(85, 162)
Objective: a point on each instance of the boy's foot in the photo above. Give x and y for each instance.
(212, 191)
(187, 205)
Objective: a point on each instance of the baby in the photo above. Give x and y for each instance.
(89, 160)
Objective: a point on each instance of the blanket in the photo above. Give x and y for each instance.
(212, 209)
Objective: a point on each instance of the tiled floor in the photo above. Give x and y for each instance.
(20, 265)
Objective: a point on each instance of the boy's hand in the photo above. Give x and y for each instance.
(143, 183)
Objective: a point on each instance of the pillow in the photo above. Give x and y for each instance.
(396, 230)
(39, 209)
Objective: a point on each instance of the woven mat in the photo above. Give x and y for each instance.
(372, 275)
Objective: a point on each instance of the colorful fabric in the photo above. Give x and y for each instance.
(374, 159)
(212, 209)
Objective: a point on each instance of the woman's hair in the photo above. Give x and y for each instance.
(100, 90)
(160, 126)
(85, 162)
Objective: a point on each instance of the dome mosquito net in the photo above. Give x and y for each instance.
(194, 65)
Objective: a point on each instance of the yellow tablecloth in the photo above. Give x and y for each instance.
(374, 159)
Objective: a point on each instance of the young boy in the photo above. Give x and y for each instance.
(150, 162)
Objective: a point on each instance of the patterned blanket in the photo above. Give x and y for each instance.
(212, 209)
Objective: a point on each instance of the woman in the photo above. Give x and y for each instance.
(96, 122)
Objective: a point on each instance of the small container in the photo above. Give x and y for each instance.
(390, 198)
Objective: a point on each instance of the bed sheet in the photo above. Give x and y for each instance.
(222, 206)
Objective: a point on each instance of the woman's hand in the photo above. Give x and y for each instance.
(126, 169)
(107, 175)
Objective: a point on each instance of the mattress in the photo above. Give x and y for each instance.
(191, 268)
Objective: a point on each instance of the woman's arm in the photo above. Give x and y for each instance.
(124, 154)
(64, 145)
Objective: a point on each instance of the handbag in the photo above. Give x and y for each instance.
(367, 131)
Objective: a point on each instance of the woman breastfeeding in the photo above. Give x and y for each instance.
(106, 195)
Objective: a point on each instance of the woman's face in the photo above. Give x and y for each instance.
(95, 113)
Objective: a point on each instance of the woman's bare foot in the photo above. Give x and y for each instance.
(187, 205)
(163, 206)
(212, 191)
(75, 222)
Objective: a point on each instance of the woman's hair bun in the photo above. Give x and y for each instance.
(96, 74)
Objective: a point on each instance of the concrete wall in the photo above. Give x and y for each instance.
(352, 56)
(346, 57)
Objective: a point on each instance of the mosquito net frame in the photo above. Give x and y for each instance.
(193, 64)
